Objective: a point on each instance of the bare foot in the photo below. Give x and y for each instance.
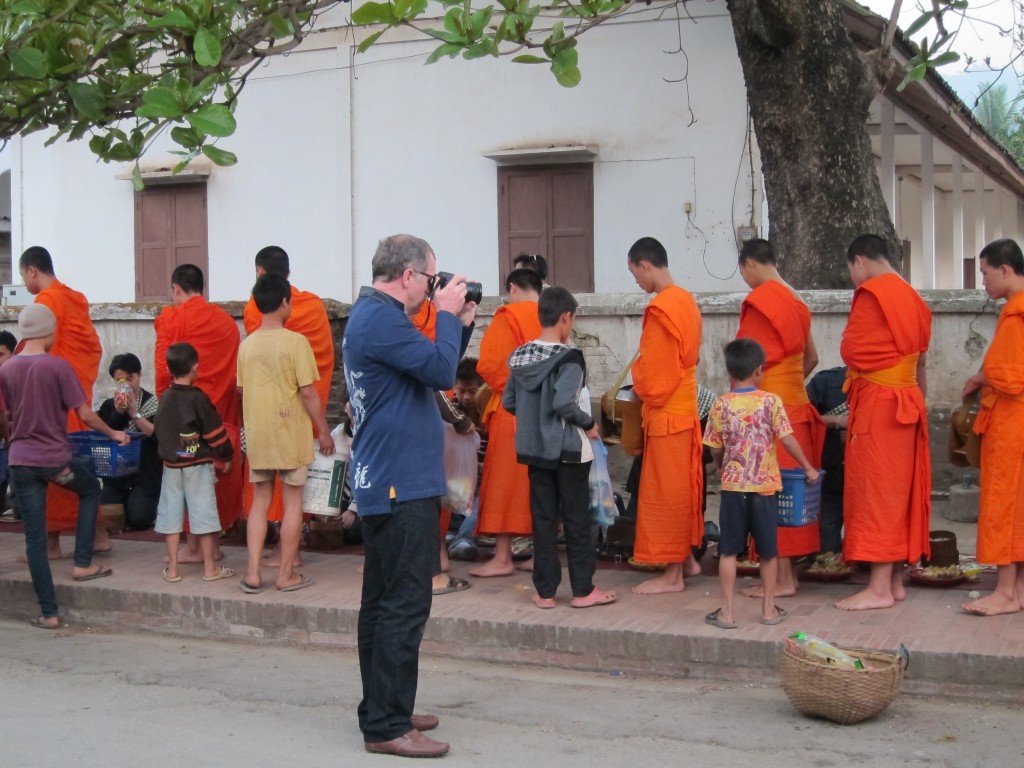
(866, 600)
(544, 602)
(359, 568)
(493, 568)
(691, 567)
(758, 591)
(185, 556)
(992, 605)
(660, 585)
(440, 581)
(526, 565)
(596, 597)
(51, 554)
(273, 560)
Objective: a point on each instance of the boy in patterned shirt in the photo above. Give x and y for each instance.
(742, 429)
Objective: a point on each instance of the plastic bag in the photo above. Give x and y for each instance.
(602, 497)
(460, 468)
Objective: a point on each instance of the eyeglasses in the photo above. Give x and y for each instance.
(431, 280)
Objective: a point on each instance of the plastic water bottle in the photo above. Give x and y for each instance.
(814, 648)
(122, 390)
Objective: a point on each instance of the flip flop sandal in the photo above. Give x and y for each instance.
(96, 575)
(38, 624)
(779, 617)
(223, 573)
(249, 589)
(455, 584)
(171, 579)
(713, 620)
(307, 581)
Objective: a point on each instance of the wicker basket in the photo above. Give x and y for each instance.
(844, 696)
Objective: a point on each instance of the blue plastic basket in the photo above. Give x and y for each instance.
(107, 458)
(799, 503)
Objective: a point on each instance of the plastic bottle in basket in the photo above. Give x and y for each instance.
(816, 649)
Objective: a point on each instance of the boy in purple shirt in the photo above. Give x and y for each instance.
(39, 390)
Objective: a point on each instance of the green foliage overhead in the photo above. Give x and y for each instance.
(122, 72)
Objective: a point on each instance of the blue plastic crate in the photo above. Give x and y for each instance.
(107, 458)
(799, 503)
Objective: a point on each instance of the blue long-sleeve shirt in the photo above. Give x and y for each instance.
(392, 371)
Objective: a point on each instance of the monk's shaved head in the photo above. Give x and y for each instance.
(189, 278)
(758, 250)
(1004, 252)
(650, 250)
(870, 247)
(273, 260)
(38, 258)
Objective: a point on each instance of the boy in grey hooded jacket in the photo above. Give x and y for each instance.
(552, 439)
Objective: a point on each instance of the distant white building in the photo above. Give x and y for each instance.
(487, 159)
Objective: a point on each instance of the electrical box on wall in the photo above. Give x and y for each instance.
(745, 234)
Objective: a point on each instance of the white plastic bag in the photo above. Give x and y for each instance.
(602, 497)
(325, 478)
(460, 466)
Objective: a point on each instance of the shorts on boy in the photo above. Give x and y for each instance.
(295, 476)
(742, 514)
(191, 487)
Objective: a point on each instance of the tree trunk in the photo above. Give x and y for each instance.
(809, 93)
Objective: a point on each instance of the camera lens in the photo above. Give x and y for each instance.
(474, 291)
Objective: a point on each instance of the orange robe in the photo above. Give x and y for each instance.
(505, 483)
(214, 334)
(772, 316)
(77, 342)
(669, 518)
(887, 501)
(310, 319)
(1001, 421)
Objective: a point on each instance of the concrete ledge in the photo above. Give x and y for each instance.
(662, 636)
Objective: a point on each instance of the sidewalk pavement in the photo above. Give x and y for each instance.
(951, 652)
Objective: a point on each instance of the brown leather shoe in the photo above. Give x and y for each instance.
(424, 722)
(412, 744)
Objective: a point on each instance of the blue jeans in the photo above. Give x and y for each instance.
(30, 486)
(401, 552)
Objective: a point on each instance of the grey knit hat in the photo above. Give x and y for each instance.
(36, 321)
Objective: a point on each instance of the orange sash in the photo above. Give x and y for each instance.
(903, 374)
(786, 379)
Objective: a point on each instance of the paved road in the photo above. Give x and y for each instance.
(91, 698)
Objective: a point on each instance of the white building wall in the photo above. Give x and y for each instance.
(332, 158)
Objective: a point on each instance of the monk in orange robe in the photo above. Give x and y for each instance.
(1001, 423)
(669, 518)
(214, 334)
(505, 483)
(77, 342)
(887, 500)
(777, 318)
(309, 318)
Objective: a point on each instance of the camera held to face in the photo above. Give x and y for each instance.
(474, 291)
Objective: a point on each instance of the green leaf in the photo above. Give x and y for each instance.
(98, 144)
(448, 49)
(282, 27)
(207, 48)
(185, 137)
(213, 120)
(370, 40)
(137, 182)
(373, 13)
(175, 18)
(449, 37)
(529, 58)
(919, 23)
(88, 99)
(28, 7)
(480, 19)
(160, 102)
(121, 151)
(478, 50)
(565, 68)
(30, 62)
(220, 156)
(945, 58)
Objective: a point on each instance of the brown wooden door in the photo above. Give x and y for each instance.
(549, 210)
(170, 229)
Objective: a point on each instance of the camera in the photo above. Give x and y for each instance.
(474, 291)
